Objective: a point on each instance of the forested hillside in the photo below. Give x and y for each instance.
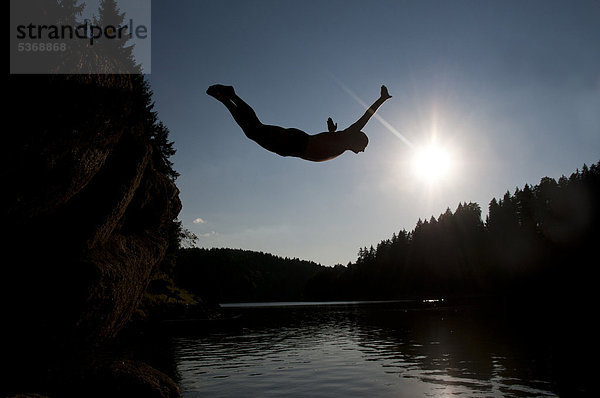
(538, 241)
(231, 275)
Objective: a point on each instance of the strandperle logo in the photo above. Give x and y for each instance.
(86, 31)
(80, 37)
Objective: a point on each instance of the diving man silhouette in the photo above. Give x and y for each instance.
(293, 142)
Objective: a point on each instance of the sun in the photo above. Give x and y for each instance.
(432, 163)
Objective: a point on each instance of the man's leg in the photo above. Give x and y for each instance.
(243, 114)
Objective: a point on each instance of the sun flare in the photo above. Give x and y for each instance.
(432, 163)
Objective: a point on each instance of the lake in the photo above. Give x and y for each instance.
(375, 349)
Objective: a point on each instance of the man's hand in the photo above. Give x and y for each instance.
(331, 126)
(384, 93)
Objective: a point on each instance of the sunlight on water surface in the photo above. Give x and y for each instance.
(359, 350)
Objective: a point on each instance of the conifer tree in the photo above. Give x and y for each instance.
(115, 53)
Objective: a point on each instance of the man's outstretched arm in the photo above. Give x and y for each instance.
(360, 123)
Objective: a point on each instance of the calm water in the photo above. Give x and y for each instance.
(362, 349)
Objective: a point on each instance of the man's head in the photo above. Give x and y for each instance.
(358, 141)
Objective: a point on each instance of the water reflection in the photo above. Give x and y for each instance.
(365, 350)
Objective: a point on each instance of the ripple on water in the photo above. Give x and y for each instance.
(354, 352)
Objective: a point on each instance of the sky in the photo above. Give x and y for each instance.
(508, 90)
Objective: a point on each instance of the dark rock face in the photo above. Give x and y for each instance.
(83, 208)
(134, 379)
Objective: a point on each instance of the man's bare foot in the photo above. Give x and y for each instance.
(384, 93)
(220, 91)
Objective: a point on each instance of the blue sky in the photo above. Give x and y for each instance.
(511, 89)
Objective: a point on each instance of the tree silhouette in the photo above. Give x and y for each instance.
(535, 242)
(116, 55)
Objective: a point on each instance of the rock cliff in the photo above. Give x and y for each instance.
(84, 209)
